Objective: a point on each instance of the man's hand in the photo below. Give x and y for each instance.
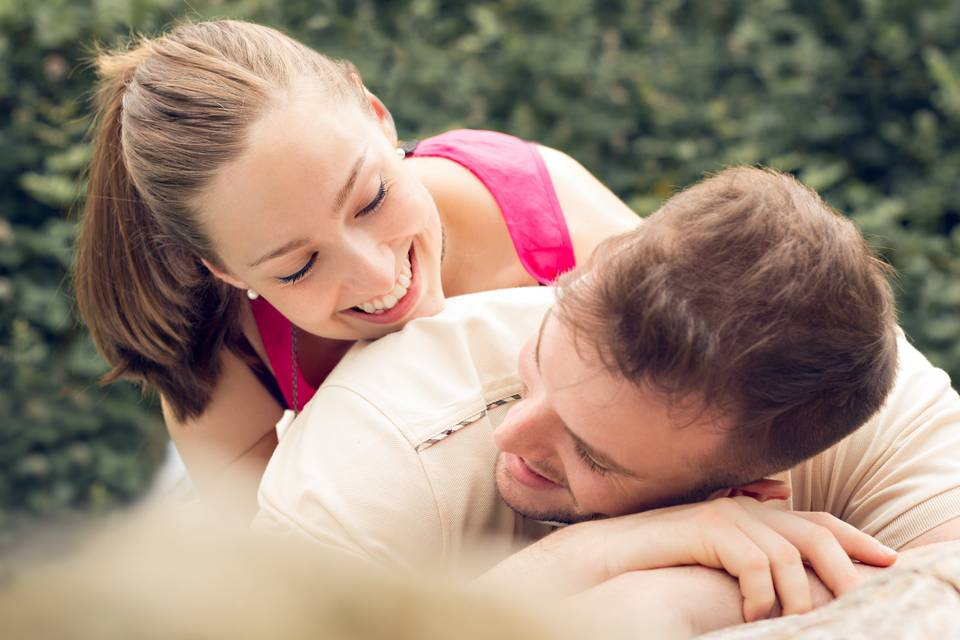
(764, 548)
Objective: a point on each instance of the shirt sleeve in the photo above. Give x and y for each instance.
(345, 477)
(898, 476)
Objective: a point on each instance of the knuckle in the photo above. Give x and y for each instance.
(786, 555)
(756, 562)
(822, 538)
(767, 600)
(727, 507)
(823, 535)
(822, 518)
(763, 602)
(716, 512)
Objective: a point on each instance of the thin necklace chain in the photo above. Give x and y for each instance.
(293, 365)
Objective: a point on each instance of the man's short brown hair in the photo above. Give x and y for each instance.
(748, 293)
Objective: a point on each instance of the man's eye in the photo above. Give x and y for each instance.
(374, 204)
(302, 273)
(590, 462)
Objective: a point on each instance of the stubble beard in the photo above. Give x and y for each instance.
(556, 516)
(697, 494)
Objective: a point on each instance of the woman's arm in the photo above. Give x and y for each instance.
(227, 448)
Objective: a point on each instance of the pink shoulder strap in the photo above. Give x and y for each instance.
(513, 172)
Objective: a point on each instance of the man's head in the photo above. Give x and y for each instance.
(743, 328)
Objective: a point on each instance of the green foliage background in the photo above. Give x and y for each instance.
(860, 98)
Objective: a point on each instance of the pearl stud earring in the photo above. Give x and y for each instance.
(401, 153)
(253, 295)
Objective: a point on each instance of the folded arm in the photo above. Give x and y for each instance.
(689, 601)
(763, 547)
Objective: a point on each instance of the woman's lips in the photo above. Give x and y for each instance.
(522, 473)
(403, 306)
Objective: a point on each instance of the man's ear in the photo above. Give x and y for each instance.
(380, 112)
(763, 490)
(223, 275)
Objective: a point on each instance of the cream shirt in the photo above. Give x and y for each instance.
(393, 458)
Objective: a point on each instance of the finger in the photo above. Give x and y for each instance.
(786, 565)
(821, 548)
(855, 543)
(739, 556)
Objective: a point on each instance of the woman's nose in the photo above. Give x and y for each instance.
(372, 270)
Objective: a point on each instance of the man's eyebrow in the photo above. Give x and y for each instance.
(599, 457)
(338, 202)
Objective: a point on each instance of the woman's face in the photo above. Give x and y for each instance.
(320, 216)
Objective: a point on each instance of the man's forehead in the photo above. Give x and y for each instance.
(567, 361)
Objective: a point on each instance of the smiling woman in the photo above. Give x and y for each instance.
(231, 159)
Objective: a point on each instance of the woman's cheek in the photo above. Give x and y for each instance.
(310, 303)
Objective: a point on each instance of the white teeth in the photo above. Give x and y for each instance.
(379, 305)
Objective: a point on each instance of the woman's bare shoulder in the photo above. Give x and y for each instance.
(592, 211)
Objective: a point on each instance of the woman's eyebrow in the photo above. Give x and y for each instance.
(351, 181)
(286, 248)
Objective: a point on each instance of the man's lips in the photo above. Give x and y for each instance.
(526, 475)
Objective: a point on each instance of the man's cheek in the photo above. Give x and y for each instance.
(587, 493)
(603, 495)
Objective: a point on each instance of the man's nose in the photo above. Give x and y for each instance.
(525, 430)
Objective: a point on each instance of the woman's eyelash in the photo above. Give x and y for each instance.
(596, 468)
(368, 209)
(299, 275)
(377, 199)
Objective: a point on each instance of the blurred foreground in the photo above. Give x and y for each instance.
(170, 573)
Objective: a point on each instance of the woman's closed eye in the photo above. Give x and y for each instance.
(370, 207)
(301, 273)
(374, 204)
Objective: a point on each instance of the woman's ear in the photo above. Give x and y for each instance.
(384, 117)
(223, 275)
(380, 111)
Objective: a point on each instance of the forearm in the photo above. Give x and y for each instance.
(678, 602)
(675, 602)
(581, 556)
(556, 566)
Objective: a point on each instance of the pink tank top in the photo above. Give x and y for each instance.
(514, 173)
